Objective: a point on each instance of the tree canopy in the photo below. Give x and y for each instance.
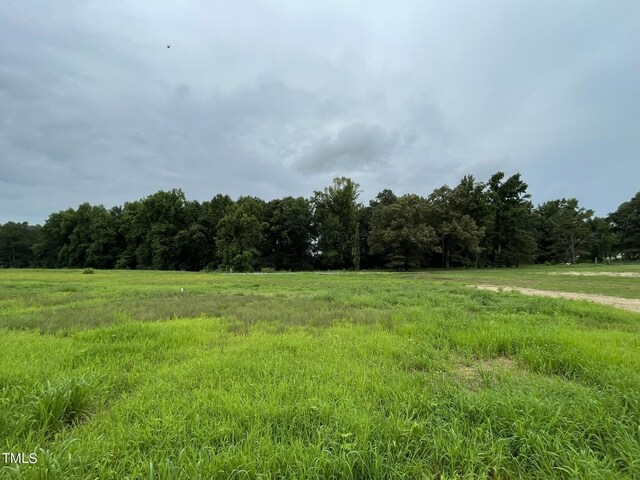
(475, 223)
(400, 233)
(626, 224)
(335, 216)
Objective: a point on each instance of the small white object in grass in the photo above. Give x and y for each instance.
(182, 290)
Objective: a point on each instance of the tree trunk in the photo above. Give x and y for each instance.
(572, 249)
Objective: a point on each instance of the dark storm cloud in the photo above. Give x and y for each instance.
(276, 98)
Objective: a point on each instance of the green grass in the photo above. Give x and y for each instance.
(122, 375)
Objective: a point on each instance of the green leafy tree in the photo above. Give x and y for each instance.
(53, 250)
(367, 260)
(210, 215)
(74, 252)
(399, 232)
(460, 241)
(626, 225)
(106, 242)
(92, 239)
(150, 227)
(355, 250)
(511, 229)
(365, 214)
(384, 198)
(240, 236)
(51, 240)
(16, 244)
(288, 234)
(458, 234)
(543, 229)
(133, 232)
(471, 198)
(335, 216)
(191, 242)
(566, 229)
(603, 239)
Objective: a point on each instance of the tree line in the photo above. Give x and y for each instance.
(474, 224)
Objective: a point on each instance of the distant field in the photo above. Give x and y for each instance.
(340, 375)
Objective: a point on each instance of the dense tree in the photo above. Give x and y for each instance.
(150, 227)
(16, 244)
(473, 223)
(367, 258)
(78, 224)
(51, 250)
(190, 228)
(93, 238)
(511, 228)
(564, 230)
(355, 249)
(106, 242)
(210, 215)
(472, 198)
(460, 241)
(132, 230)
(603, 239)
(384, 198)
(191, 241)
(543, 229)
(399, 232)
(626, 224)
(240, 236)
(458, 234)
(335, 216)
(288, 234)
(86, 237)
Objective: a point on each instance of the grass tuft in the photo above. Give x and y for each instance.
(61, 405)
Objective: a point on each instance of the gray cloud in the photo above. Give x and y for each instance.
(275, 98)
(352, 147)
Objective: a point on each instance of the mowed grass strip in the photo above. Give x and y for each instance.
(312, 376)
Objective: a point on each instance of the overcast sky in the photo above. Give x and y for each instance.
(274, 98)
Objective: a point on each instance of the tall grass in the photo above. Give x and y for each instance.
(312, 376)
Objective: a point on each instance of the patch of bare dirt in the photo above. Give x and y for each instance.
(471, 374)
(630, 304)
(599, 274)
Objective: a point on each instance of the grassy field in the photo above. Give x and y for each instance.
(125, 374)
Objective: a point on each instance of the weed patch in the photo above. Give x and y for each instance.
(483, 372)
(59, 405)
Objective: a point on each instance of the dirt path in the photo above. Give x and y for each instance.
(630, 304)
(599, 274)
